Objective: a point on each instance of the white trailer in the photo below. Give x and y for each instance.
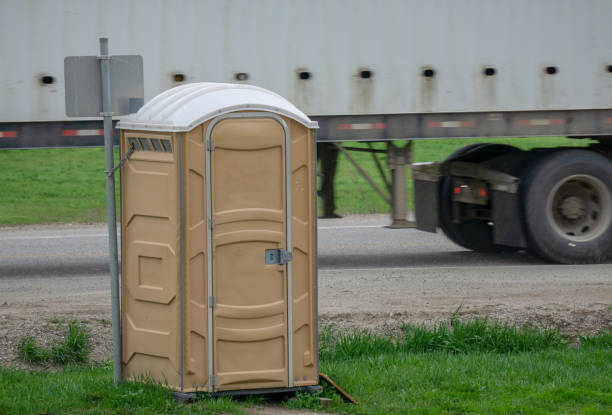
(370, 70)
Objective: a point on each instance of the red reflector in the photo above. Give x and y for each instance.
(482, 192)
(457, 190)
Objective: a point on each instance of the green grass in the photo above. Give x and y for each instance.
(52, 185)
(90, 390)
(547, 382)
(456, 336)
(470, 367)
(556, 381)
(460, 367)
(68, 185)
(74, 349)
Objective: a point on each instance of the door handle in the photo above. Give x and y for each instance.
(278, 256)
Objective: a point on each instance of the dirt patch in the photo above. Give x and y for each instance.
(571, 323)
(50, 329)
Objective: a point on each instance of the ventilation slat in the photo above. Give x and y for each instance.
(158, 145)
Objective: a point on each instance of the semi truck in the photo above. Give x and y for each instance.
(372, 71)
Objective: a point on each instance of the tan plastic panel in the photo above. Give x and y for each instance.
(303, 216)
(195, 279)
(248, 204)
(150, 263)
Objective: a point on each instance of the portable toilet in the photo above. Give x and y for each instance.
(218, 241)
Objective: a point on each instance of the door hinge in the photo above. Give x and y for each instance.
(212, 223)
(212, 301)
(210, 145)
(212, 381)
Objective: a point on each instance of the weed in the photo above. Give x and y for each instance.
(30, 352)
(456, 336)
(75, 348)
(304, 400)
(478, 335)
(363, 343)
(94, 396)
(602, 340)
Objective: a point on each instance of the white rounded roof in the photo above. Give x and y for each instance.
(187, 106)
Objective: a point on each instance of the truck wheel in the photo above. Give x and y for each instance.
(568, 207)
(476, 235)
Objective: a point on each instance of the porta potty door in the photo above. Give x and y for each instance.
(248, 211)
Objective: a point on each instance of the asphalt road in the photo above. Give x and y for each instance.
(353, 242)
(54, 250)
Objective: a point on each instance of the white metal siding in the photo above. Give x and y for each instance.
(270, 40)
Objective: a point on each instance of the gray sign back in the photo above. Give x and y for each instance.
(84, 88)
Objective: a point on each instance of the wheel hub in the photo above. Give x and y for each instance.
(579, 207)
(573, 208)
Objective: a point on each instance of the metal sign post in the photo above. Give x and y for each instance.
(114, 86)
(110, 202)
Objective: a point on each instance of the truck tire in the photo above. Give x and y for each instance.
(475, 235)
(567, 202)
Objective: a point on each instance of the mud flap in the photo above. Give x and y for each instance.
(508, 229)
(426, 205)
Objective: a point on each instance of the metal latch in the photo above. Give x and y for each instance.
(278, 256)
